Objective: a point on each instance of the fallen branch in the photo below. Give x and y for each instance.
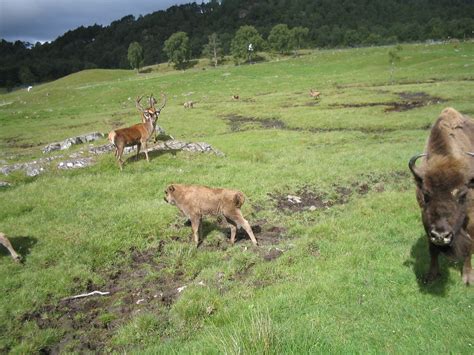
(86, 295)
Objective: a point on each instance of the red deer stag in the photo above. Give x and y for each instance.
(137, 134)
(6, 243)
(444, 190)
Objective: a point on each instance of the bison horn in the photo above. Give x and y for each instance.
(470, 154)
(413, 168)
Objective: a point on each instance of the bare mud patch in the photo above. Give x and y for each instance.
(88, 323)
(308, 198)
(402, 82)
(409, 101)
(239, 123)
(17, 142)
(266, 234)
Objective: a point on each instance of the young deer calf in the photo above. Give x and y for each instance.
(197, 201)
(137, 134)
(6, 243)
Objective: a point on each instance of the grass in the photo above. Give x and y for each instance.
(348, 278)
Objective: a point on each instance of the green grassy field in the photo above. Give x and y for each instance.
(342, 276)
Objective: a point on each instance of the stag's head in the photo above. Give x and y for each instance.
(443, 187)
(151, 113)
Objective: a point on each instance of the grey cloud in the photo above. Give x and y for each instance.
(45, 20)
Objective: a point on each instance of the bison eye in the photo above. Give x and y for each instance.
(426, 197)
(462, 197)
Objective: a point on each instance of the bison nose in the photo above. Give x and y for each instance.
(439, 237)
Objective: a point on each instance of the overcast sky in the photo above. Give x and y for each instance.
(45, 20)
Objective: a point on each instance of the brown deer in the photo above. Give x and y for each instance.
(6, 243)
(137, 134)
(315, 94)
(235, 97)
(188, 104)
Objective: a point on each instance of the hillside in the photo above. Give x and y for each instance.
(339, 271)
(331, 24)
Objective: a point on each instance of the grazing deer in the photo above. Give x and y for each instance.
(137, 134)
(314, 94)
(6, 243)
(235, 97)
(188, 104)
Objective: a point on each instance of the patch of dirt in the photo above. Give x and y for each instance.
(239, 123)
(266, 235)
(304, 199)
(409, 101)
(273, 254)
(413, 100)
(16, 142)
(88, 323)
(309, 199)
(306, 104)
(146, 284)
(402, 82)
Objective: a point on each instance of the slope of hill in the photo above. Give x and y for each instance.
(331, 23)
(329, 197)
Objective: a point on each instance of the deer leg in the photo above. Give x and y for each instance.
(233, 229)
(6, 243)
(145, 147)
(138, 151)
(240, 220)
(433, 272)
(119, 157)
(195, 225)
(467, 275)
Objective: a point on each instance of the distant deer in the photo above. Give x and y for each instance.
(137, 134)
(188, 104)
(314, 94)
(235, 97)
(6, 243)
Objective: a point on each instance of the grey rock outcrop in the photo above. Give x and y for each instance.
(68, 142)
(76, 163)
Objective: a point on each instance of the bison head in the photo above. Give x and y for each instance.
(443, 188)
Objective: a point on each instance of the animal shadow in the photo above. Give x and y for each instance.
(419, 261)
(152, 155)
(21, 244)
(208, 226)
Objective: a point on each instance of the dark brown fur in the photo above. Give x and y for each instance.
(197, 201)
(444, 191)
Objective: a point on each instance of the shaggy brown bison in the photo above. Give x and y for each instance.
(444, 182)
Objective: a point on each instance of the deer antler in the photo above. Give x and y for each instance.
(164, 101)
(137, 103)
(152, 101)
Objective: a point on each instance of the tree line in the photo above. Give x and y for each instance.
(216, 26)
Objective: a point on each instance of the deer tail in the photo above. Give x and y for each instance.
(112, 135)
